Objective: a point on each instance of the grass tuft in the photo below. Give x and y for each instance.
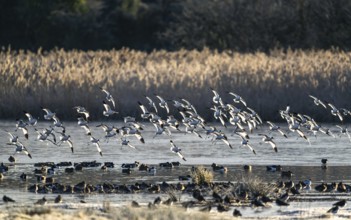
(201, 175)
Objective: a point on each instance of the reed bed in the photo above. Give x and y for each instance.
(118, 213)
(62, 79)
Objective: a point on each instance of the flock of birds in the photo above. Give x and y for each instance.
(237, 114)
(182, 117)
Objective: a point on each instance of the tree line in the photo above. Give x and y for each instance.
(241, 25)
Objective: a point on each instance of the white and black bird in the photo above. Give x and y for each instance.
(96, 142)
(146, 114)
(49, 114)
(126, 142)
(151, 103)
(42, 136)
(64, 138)
(160, 130)
(318, 101)
(221, 136)
(269, 140)
(57, 123)
(108, 111)
(82, 121)
(21, 148)
(274, 127)
(163, 103)
(216, 98)
(13, 139)
(31, 120)
(176, 150)
(22, 126)
(245, 143)
(82, 110)
(237, 98)
(344, 131)
(109, 97)
(334, 111)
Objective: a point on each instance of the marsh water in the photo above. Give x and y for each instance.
(294, 154)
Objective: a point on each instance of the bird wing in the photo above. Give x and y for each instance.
(70, 145)
(87, 129)
(98, 148)
(313, 97)
(181, 156)
(227, 143)
(143, 108)
(107, 107)
(282, 133)
(274, 146)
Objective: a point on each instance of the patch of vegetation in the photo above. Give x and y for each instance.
(201, 175)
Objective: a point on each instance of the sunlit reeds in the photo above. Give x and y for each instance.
(61, 79)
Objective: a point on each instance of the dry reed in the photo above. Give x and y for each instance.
(60, 79)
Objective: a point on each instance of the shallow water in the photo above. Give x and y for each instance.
(294, 154)
(291, 151)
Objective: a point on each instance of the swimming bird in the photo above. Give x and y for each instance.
(12, 159)
(31, 120)
(176, 150)
(49, 114)
(163, 103)
(307, 183)
(58, 199)
(96, 142)
(198, 195)
(273, 127)
(108, 111)
(318, 101)
(219, 168)
(280, 202)
(342, 203)
(269, 140)
(109, 97)
(22, 125)
(333, 210)
(41, 201)
(152, 170)
(236, 213)
(7, 199)
(82, 110)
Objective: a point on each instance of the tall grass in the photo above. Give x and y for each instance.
(60, 80)
(124, 212)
